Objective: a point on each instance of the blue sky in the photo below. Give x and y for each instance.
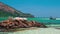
(39, 8)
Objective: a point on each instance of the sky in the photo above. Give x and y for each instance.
(38, 8)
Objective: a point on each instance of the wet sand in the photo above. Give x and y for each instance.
(36, 31)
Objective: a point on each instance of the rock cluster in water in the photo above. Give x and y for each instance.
(17, 23)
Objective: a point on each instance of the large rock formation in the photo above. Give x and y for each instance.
(12, 24)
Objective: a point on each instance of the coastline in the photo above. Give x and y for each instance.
(36, 31)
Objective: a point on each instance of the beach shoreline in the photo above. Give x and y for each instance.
(36, 31)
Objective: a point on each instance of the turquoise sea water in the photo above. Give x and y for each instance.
(41, 20)
(3, 18)
(46, 20)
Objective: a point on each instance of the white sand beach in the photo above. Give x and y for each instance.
(36, 31)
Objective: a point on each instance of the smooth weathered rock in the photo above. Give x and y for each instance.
(7, 24)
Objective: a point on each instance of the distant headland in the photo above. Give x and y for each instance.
(6, 10)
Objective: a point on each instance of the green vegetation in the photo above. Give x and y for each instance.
(15, 14)
(5, 14)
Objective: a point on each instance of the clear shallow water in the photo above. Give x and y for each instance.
(3, 18)
(43, 20)
(53, 26)
(46, 20)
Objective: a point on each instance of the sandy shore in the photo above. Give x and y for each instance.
(36, 31)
